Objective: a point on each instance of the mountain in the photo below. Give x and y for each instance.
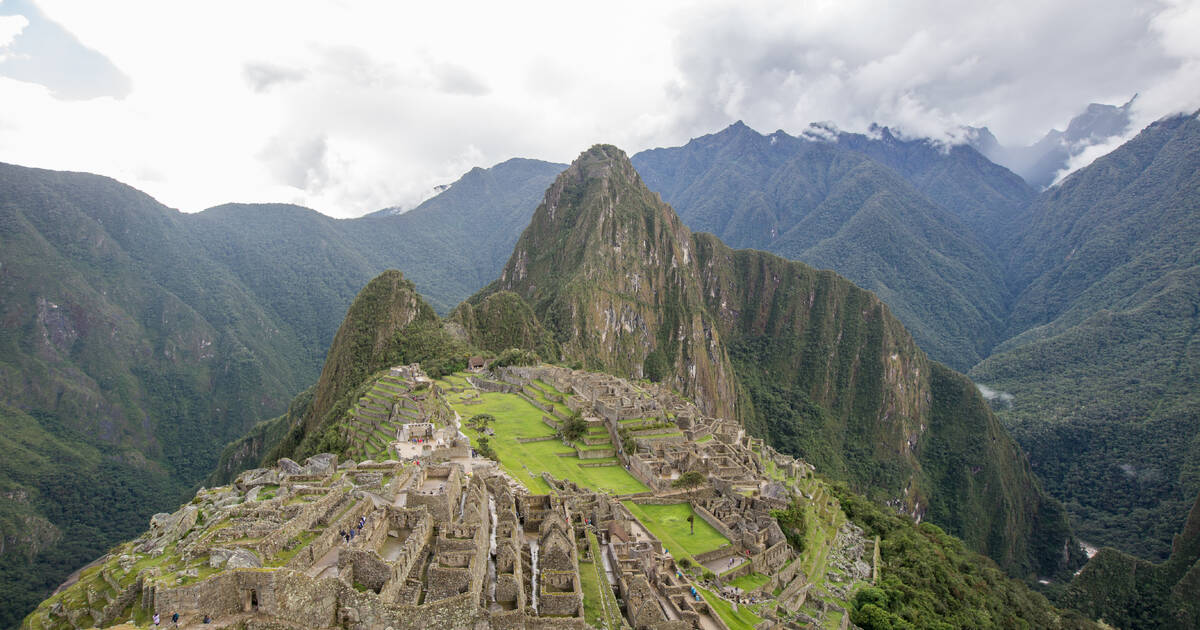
(909, 220)
(1103, 354)
(1132, 593)
(813, 364)
(1039, 164)
(387, 324)
(607, 268)
(128, 358)
(138, 340)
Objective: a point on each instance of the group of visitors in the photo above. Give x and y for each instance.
(175, 619)
(347, 536)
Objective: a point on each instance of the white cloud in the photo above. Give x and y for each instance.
(352, 107)
(10, 27)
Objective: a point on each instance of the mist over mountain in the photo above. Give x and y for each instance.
(904, 218)
(1042, 163)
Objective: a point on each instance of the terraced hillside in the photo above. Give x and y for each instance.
(436, 536)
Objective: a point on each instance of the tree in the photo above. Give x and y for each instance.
(480, 421)
(485, 449)
(689, 481)
(573, 427)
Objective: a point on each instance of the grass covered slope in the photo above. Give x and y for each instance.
(388, 324)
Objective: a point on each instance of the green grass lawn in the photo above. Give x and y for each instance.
(669, 523)
(599, 604)
(516, 418)
(750, 581)
(743, 619)
(593, 608)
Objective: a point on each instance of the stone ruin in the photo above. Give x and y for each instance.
(424, 543)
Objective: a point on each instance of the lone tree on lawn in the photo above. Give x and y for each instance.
(689, 481)
(480, 421)
(573, 427)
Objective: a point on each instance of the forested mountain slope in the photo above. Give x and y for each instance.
(141, 340)
(128, 358)
(1132, 593)
(906, 219)
(1104, 366)
(820, 367)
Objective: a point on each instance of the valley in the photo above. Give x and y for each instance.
(1083, 313)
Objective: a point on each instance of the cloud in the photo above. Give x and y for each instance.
(298, 162)
(10, 27)
(263, 76)
(456, 79)
(352, 107)
(1019, 67)
(36, 49)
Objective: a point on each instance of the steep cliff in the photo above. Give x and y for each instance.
(814, 364)
(607, 267)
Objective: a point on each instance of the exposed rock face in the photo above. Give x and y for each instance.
(288, 466)
(258, 477)
(167, 528)
(233, 559)
(814, 364)
(608, 267)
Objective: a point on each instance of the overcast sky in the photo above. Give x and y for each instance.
(349, 107)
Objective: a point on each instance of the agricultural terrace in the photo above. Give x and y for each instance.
(517, 420)
(742, 619)
(670, 525)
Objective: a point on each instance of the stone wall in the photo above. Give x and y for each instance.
(595, 453)
(308, 517)
(364, 567)
(716, 523)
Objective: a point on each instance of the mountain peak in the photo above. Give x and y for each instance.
(601, 262)
(601, 161)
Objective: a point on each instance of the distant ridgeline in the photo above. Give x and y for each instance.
(1077, 306)
(138, 340)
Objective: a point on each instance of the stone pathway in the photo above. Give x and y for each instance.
(327, 566)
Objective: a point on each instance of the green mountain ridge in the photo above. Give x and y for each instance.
(905, 219)
(1104, 371)
(144, 340)
(815, 361)
(1132, 593)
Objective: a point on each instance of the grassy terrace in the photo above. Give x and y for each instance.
(750, 581)
(541, 388)
(599, 604)
(669, 523)
(517, 419)
(743, 619)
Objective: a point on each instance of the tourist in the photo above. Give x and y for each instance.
(156, 619)
(175, 618)
(207, 619)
